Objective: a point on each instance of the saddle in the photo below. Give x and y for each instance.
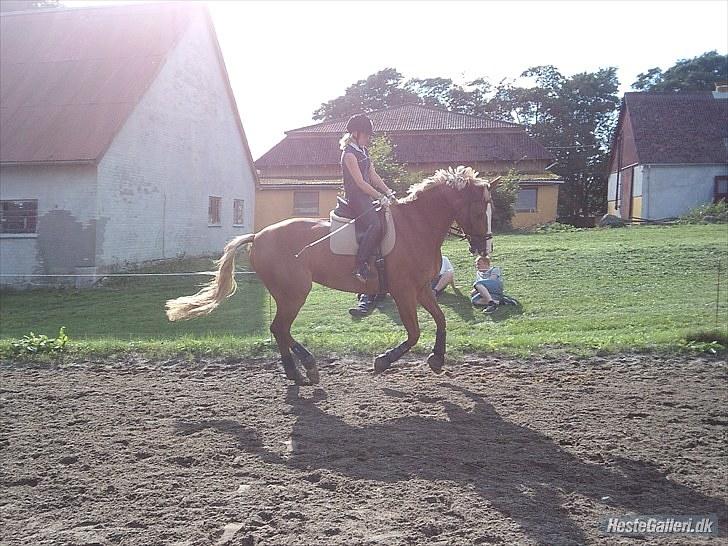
(345, 241)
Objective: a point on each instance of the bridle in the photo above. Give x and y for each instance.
(478, 243)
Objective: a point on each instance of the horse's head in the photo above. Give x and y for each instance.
(474, 210)
(469, 199)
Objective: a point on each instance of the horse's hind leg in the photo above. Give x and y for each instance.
(436, 360)
(283, 339)
(287, 308)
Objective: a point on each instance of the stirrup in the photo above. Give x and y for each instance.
(365, 306)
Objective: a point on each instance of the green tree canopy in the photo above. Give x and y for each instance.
(380, 90)
(700, 73)
(574, 118)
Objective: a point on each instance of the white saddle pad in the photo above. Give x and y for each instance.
(344, 241)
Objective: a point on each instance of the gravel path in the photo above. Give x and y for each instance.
(494, 451)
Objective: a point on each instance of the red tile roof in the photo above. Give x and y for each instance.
(69, 78)
(679, 127)
(412, 117)
(412, 148)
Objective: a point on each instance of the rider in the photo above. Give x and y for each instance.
(362, 185)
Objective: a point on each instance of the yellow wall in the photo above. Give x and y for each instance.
(272, 206)
(636, 207)
(546, 201)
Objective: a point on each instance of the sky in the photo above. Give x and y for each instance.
(285, 58)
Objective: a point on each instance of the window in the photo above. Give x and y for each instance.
(527, 200)
(721, 189)
(213, 211)
(18, 216)
(305, 203)
(238, 212)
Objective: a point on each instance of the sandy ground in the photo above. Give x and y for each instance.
(494, 451)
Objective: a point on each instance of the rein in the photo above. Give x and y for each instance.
(486, 239)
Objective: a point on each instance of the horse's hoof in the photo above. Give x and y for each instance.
(309, 364)
(313, 375)
(436, 362)
(381, 363)
(297, 378)
(301, 381)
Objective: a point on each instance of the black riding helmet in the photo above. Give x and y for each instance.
(361, 123)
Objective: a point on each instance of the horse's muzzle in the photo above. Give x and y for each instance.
(481, 244)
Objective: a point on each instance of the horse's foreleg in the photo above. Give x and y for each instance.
(307, 361)
(407, 307)
(427, 299)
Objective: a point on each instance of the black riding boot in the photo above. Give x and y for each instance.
(369, 241)
(366, 305)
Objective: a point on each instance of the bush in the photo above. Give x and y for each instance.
(705, 341)
(709, 213)
(381, 152)
(38, 344)
(555, 227)
(504, 201)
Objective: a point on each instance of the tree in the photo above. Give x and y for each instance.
(574, 118)
(382, 89)
(387, 88)
(700, 73)
(504, 201)
(394, 173)
(26, 5)
(470, 98)
(381, 152)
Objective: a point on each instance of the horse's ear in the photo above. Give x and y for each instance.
(493, 184)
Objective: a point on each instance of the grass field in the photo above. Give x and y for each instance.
(637, 288)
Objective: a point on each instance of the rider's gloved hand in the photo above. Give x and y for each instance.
(387, 200)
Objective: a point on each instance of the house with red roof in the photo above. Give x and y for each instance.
(669, 154)
(301, 176)
(120, 140)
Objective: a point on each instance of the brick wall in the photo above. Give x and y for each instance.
(180, 146)
(66, 227)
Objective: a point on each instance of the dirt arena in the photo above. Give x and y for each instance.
(493, 451)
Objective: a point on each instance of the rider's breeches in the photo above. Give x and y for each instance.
(369, 226)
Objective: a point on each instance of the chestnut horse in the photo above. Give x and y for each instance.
(421, 220)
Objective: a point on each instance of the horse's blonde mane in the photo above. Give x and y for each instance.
(458, 178)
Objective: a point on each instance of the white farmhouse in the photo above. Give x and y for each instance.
(120, 140)
(670, 154)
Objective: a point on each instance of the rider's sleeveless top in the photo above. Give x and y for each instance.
(362, 156)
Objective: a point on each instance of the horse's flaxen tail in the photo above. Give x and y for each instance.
(210, 296)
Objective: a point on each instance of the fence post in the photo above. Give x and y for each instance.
(717, 296)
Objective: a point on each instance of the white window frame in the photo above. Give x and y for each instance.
(19, 234)
(242, 212)
(210, 223)
(529, 209)
(307, 213)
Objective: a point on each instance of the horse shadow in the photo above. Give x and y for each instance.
(460, 304)
(517, 471)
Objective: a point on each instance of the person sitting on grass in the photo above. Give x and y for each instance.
(444, 277)
(488, 285)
